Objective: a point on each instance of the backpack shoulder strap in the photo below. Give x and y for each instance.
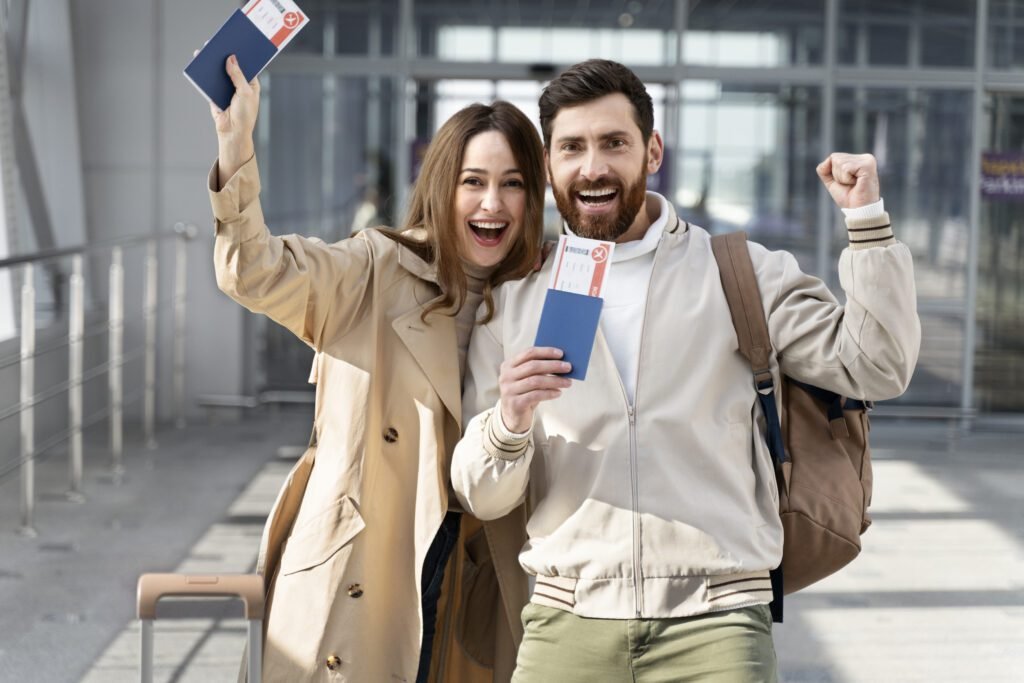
(744, 297)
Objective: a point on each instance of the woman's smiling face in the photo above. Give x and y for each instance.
(490, 199)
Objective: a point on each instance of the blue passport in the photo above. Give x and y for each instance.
(238, 36)
(568, 322)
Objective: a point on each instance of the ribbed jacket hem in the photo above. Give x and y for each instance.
(664, 597)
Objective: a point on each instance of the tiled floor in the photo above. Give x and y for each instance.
(937, 596)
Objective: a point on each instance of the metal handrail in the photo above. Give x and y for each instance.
(94, 330)
(188, 231)
(114, 327)
(42, 451)
(58, 389)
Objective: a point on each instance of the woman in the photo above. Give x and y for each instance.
(355, 550)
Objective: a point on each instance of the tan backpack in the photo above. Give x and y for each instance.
(821, 452)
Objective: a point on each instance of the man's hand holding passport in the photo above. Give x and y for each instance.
(572, 307)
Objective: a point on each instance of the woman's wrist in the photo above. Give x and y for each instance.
(232, 153)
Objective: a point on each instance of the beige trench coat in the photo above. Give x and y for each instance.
(344, 545)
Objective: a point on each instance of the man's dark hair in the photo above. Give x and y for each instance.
(591, 80)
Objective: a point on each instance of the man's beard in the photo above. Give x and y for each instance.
(608, 227)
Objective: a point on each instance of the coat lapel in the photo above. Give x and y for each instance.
(434, 344)
(435, 347)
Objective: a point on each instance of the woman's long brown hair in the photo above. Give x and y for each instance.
(432, 207)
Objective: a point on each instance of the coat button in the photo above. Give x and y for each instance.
(355, 591)
(333, 662)
(391, 435)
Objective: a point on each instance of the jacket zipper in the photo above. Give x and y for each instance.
(634, 465)
(638, 595)
(634, 491)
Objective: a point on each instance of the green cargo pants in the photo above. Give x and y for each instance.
(733, 646)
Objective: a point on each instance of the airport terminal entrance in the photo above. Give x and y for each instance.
(999, 360)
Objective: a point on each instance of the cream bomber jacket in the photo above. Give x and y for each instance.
(668, 507)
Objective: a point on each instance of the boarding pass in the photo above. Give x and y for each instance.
(581, 265)
(278, 20)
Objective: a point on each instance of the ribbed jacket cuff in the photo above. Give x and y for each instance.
(870, 232)
(499, 442)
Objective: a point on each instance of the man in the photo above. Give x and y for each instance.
(653, 506)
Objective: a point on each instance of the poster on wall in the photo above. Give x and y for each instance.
(1002, 176)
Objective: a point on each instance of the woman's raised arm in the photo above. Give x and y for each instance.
(312, 288)
(235, 125)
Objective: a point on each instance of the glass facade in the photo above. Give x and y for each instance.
(999, 351)
(749, 94)
(325, 144)
(538, 31)
(921, 140)
(746, 162)
(999, 358)
(1005, 49)
(348, 28)
(930, 33)
(755, 33)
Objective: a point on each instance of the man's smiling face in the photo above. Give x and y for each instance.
(598, 165)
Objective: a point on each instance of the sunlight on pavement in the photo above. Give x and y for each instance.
(962, 645)
(901, 552)
(903, 486)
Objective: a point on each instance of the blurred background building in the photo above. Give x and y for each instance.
(103, 138)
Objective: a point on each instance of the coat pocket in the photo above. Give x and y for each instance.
(321, 537)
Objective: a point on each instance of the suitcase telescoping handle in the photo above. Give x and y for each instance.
(247, 587)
